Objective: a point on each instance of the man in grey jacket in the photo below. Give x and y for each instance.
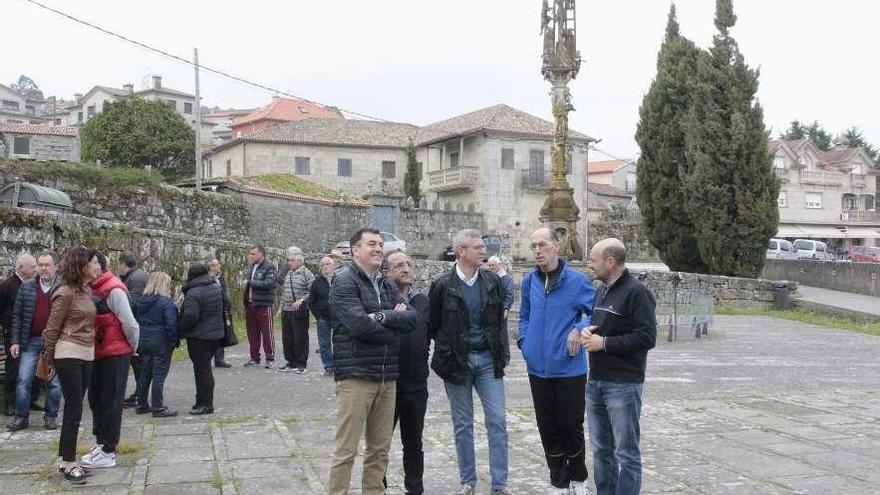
(296, 282)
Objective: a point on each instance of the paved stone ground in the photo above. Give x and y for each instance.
(761, 406)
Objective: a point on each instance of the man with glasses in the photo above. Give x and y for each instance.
(556, 304)
(470, 353)
(623, 329)
(214, 270)
(25, 266)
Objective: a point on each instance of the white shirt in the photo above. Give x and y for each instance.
(467, 281)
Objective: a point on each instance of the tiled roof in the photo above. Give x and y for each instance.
(334, 132)
(838, 155)
(500, 118)
(797, 144)
(113, 91)
(606, 190)
(164, 90)
(287, 110)
(231, 112)
(39, 129)
(606, 166)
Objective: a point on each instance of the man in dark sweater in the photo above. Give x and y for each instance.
(412, 385)
(25, 266)
(623, 329)
(135, 280)
(319, 304)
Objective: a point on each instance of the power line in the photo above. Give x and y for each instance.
(609, 155)
(189, 62)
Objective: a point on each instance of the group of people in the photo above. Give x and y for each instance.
(585, 355)
(86, 326)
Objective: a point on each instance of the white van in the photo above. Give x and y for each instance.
(781, 249)
(811, 250)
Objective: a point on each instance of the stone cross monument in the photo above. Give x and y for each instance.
(561, 63)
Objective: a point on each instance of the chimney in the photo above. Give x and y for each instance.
(157, 82)
(128, 88)
(77, 97)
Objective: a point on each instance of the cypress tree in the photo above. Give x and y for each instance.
(662, 163)
(731, 188)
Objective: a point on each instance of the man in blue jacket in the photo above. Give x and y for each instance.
(556, 304)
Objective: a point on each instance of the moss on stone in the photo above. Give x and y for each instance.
(290, 184)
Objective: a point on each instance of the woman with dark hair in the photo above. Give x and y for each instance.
(201, 324)
(69, 338)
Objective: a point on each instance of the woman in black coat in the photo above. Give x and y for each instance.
(201, 324)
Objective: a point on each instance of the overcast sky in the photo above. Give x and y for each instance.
(418, 61)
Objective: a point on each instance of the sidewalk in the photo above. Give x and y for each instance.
(759, 406)
(863, 308)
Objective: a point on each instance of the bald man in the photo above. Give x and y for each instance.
(623, 329)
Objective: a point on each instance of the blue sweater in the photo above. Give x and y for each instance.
(157, 317)
(546, 319)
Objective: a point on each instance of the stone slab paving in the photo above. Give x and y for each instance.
(761, 406)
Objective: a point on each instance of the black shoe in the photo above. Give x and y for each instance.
(75, 475)
(222, 364)
(10, 410)
(17, 424)
(130, 402)
(164, 412)
(36, 406)
(198, 411)
(50, 423)
(142, 409)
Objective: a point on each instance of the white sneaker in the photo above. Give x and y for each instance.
(557, 491)
(100, 459)
(466, 490)
(88, 455)
(578, 488)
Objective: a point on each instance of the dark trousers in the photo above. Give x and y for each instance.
(10, 380)
(75, 376)
(200, 353)
(259, 331)
(106, 394)
(136, 367)
(219, 355)
(154, 369)
(559, 410)
(409, 411)
(295, 337)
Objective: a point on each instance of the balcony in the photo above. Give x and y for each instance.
(781, 174)
(859, 180)
(536, 180)
(452, 179)
(821, 177)
(859, 216)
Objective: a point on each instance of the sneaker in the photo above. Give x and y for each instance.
(286, 368)
(75, 475)
(269, 364)
(50, 423)
(300, 371)
(88, 455)
(100, 459)
(466, 490)
(142, 410)
(506, 491)
(198, 411)
(17, 423)
(557, 491)
(251, 364)
(578, 488)
(222, 364)
(164, 412)
(85, 471)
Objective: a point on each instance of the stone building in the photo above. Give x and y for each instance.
(39, 142)
(621, 174)
(826, 195)
(16, 108)
(279, 111)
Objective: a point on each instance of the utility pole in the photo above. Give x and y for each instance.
(198, 111)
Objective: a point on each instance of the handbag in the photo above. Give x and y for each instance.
(45, 367)
(229, 337)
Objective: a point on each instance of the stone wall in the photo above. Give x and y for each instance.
(428, 232)
(860, 278)
(631, 232)
(726, 291)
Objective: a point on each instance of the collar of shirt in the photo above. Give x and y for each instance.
(611, 282)
(467, 281)
(46, 287)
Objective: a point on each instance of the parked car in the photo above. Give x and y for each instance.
(781, 249)
(865, 254)
(391, 241)
(811, 250)
(494, 247)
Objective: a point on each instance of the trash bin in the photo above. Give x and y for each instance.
(780, 296)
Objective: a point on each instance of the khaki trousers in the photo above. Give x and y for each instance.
(362, 407)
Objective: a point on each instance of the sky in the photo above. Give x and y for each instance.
(419, 62)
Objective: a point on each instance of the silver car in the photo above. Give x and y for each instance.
(780, 249)
(391, 243)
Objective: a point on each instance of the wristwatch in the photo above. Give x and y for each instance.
(379, 316)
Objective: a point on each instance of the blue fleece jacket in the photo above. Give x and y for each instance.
(546, 319)
(157, 317)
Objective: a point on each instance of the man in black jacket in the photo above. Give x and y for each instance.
(412, 385)
(25, 266)
(135, 280)
(259, 296)
(624, 328)
(368, 316)
(319, 304)
(471, 351)
(214, 269)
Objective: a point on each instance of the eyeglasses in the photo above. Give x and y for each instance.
(539, 245)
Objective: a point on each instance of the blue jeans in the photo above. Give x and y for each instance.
(325, 331)
(613, 411)
(219, 355)
(461, 401)
(154, 369)
(27, 369)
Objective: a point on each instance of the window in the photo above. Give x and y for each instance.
(21, 145)
(453, 159)
(90, 111)
(630, 182)
(79, 117)
(172, 104)
(778, 162)
(187, 107)
(11, 105)
(507, 158)
(536, 163)
(813, 200)
(301, 165)
(210, 169)
(57, 121)
(857, 170)
(849, 202)
(30, 110)
(343, 167)
(228, 168)
(389, 169)
(773, 245)
(782, 200)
